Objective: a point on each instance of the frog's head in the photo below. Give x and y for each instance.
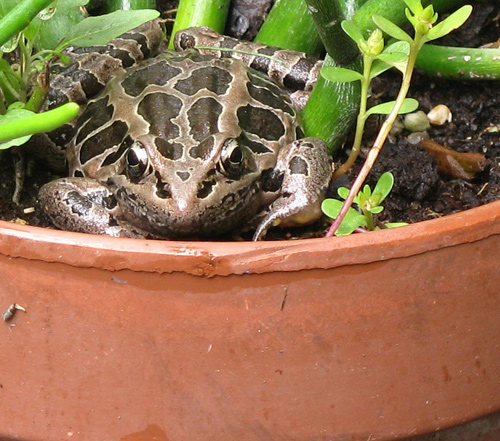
(172, 190)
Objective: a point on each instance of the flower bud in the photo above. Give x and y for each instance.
(375, 43)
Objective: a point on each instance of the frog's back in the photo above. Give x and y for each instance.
(180, 99)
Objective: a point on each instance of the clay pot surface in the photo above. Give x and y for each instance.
(373, 337)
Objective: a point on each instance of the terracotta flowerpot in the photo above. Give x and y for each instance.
(381, 336)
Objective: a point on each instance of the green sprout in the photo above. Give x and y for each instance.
(376, 59)
(368, 203)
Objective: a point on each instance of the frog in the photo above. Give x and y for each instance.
(189, 144)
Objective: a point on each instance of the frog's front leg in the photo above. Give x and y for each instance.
(84, 205)
(300, 179)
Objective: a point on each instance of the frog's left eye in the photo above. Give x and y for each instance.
(137, 160)
(232, 158)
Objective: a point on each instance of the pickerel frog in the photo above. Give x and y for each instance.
(186, 144)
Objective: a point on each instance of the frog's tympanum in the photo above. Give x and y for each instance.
(186, 145)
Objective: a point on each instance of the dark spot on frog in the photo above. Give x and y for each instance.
(272, 180)
(306, 144)
(203, 118)
(298, 166)
(121, 54)
(212, 78)
(267, 97)
(141, 39)
(168, 106)
(297, 77)
(79, 204)
(103, 140)
(261, 122)
(114, 156)
(88, 82)
(254, 146)
(169, 150)
(163, 191)
(262, 63)
(205, 189)
(154, 71)
(93, 116)
(183, 175)
(203, 149)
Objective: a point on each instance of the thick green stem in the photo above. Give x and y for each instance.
(19, 17)
(460, 63)
(211, 13)
(328, 14)
(289, 25)
(332, 107)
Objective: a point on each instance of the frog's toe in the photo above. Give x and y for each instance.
(288, 211)
(83, 205)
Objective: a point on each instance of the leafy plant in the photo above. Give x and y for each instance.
(368, 203)
(46, 36)
(375, 60)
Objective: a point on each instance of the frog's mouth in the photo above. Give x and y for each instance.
(169, 218)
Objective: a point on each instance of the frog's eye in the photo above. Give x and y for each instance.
(232, 159)
(137, 160)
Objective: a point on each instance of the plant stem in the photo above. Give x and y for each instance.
(212, 13)
(382, 134)
(289, 25)
(10, 93)
(19, 17)
(370, 225)
(39, 122)
(360, 126)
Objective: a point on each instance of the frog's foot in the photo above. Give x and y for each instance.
(305, 170)
(85, 205)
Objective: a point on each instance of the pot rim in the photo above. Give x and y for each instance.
(224, 258)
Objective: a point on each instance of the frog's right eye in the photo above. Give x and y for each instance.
(137, 161)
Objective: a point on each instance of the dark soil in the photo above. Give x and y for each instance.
(420, 191)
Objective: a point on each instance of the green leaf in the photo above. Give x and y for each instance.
(393, 58)
(100, 30)
(10, 117)
(384, 186)
(413, 5)
(376, 210)
(66, 15)
(340, 74)
(391, 29)
(353, 219)
(352, 30)
(409, 105)
(343, 192)
(394, 55)
(379, 66)
(450, 23)
(395, 224)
